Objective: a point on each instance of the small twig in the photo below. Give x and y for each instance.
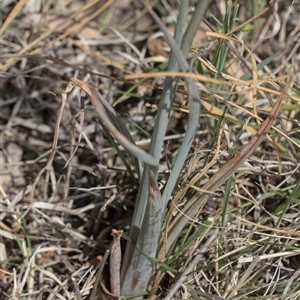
(76, 288)
(98, 276)
(55, 141)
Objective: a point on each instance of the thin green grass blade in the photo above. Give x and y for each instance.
(226, 199)
(120, 153)
(135, 126)
(294, 197)
(262, 64)
(200, 231)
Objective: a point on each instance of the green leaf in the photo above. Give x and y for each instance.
(262, 64)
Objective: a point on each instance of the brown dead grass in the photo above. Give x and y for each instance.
(50, 245)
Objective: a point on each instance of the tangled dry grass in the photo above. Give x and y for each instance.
(50, 243)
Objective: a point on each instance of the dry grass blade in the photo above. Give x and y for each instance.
(73, 29)
(280, 231)
(244, 277)
(12, 16)
(55, 140)
(224, 173)
(55, 222)
(207, 79)
(193, 264)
